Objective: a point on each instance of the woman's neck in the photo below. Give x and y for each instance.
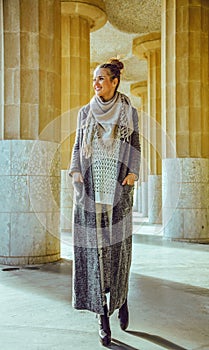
(108, 99)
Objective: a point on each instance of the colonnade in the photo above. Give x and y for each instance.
(44, 77)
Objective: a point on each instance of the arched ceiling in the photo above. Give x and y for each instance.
(127, 19)
(109, 42)
(134, 16)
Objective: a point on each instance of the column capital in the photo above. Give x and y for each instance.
(145, 43)
(92, 10)
(139, 88)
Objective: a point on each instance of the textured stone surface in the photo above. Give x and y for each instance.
(155, 199)
(29, 201)
(5, 225)
(109, 42)
(5, 150)
(136, 16)
(23, 242)
(144, 187)
(185, 199)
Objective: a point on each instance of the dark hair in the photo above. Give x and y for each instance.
(114, 67)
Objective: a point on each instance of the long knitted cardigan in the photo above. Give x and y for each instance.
(87, 293)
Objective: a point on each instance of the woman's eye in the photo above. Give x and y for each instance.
(99, 79)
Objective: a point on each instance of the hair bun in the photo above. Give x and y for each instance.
(117, 63)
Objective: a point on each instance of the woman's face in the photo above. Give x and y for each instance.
(103, 86)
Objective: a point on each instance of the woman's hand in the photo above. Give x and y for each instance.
(129, 179)
(77, 177)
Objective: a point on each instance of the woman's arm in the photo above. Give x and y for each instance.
(75, 166)
(135, 152)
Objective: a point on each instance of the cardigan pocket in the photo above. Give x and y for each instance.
(127, 198)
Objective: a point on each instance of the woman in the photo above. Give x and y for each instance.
(104, 166)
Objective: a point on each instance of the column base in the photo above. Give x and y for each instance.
(29, 202)
(144, 187)
(185, 199)
(155, 199)
(139, 199)
(24, 261)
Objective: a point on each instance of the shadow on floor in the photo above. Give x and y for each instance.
(118, 345)
(157, 340)
(53, 280)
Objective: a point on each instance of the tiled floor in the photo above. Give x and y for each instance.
(168, 300)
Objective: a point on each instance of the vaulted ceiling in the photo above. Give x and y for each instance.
(127, 19)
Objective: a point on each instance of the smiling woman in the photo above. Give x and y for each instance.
(103, 87)
(105, 164)
(106, 80)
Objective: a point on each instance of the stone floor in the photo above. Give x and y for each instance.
(168, 300)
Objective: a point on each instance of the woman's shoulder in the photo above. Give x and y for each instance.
(135, 115)
(134, 110)
(83, 113)
(128, 101)
(85, 109)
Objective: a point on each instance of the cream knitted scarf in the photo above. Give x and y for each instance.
(108, 121)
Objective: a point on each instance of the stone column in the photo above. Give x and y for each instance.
(140, 90)
(1, 68)
(185, 100)
(79, 18)
(149, 47)
(30, 133)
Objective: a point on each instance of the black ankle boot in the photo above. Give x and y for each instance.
(123, 315)
(104, 331)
